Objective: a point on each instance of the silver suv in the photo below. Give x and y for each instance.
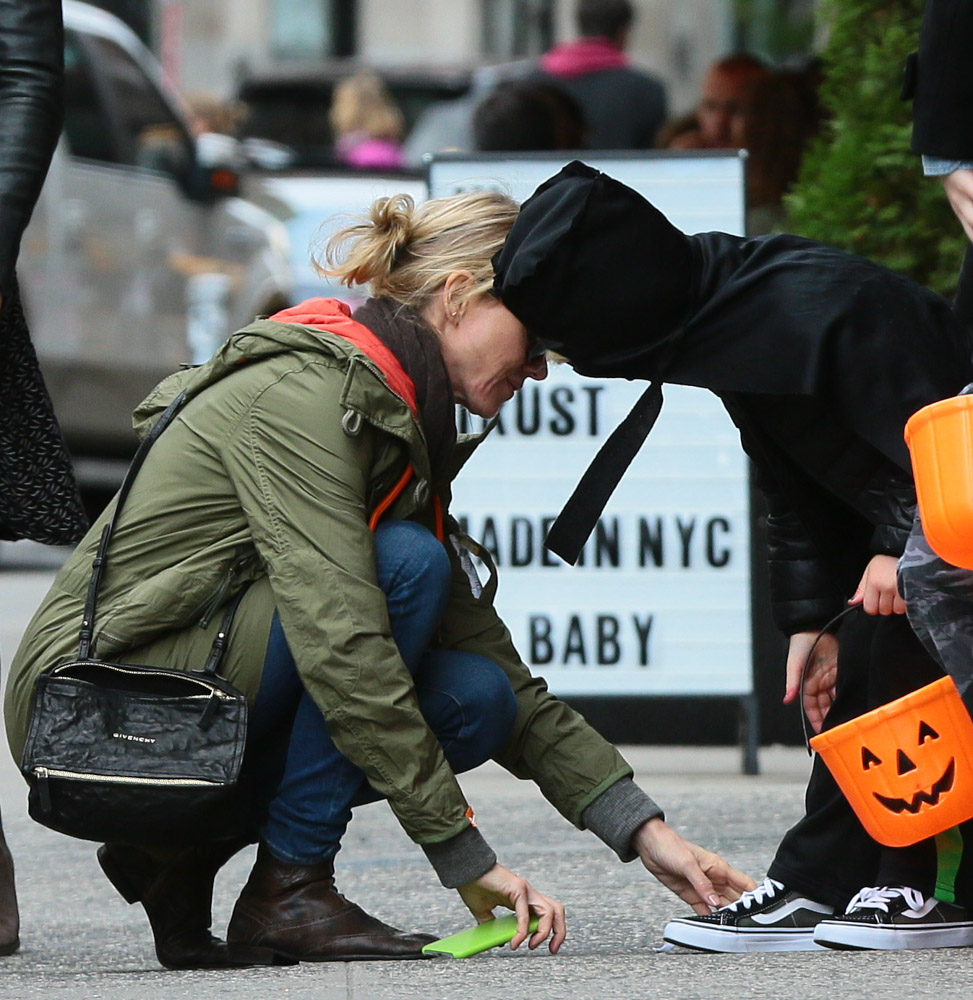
(140, 255)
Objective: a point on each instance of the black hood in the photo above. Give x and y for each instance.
(603, 278)
(565, 269)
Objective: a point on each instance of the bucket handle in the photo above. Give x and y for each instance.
(834, 621)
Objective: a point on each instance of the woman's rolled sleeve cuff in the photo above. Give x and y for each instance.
(936, 166)
(461, 858)
(617, 813)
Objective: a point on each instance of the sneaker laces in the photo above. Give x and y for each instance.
(754, 897)
(878, 898)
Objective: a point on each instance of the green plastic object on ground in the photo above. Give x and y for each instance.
(480, 938)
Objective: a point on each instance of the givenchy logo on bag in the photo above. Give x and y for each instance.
(135, 739)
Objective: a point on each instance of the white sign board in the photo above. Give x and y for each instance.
(660, 601)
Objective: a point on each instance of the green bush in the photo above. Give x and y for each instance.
(860, 187)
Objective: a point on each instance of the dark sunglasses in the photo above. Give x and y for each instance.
(535, 348)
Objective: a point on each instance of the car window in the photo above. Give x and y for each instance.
(86, 124)
(151, 136)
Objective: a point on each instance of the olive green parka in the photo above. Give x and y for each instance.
(291, 439)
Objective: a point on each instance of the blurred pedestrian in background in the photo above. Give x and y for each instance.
(368, 125)
(780, 114)
(623, 107)
(38, 496)
(528, 115)
(722, 105)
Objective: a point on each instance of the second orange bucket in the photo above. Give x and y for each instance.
(906, 768)
(940, 440)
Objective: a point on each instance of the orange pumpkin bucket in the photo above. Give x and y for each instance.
(940, 440)
(906, 768)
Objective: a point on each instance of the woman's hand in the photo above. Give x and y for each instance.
(697, 876)
(878, 592)
(822, 672)
(501, 887)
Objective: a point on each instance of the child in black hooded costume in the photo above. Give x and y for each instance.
(819, 357)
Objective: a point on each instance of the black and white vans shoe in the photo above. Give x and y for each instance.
(897, 917)
(768, 918)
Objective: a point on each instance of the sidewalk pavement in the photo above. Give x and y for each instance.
(81, 940)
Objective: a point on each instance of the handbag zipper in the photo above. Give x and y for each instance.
(211, 691)
(50, 772)
(43, 774)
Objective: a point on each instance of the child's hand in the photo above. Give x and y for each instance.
(878, 593)
(822, 673)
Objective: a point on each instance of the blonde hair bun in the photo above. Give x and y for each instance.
(407, 251)
(366, 252)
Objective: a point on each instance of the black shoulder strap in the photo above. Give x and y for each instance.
(581, 512)
(98, 566)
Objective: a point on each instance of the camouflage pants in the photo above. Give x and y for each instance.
(939, 601)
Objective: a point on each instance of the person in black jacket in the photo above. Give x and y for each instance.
(38, 497)
(623, 107)
(939, 79)
(819, 357)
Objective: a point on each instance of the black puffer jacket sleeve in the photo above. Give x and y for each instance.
(804, 588)
(803, 591)
(893, 509)
(31, 111)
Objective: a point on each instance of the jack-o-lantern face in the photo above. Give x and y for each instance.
(926, 756)
(906, 768)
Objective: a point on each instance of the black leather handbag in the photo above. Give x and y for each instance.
(135, 754)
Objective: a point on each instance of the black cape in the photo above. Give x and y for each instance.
(600, 276)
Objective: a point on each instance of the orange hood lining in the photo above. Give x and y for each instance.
(333, 316)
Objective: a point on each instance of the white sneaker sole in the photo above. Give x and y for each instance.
(835, 934)
(704, 937)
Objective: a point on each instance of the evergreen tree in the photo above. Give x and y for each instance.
(860, 187)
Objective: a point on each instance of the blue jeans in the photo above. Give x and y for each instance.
(308, 786)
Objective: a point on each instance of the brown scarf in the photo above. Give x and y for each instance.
(415, 344)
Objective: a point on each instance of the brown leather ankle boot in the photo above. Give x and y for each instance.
(296, 911)
(9, 914)
(176, 892)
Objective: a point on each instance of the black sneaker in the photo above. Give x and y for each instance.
(768, 918)
(896, 917)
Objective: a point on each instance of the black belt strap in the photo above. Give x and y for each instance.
(580, 514)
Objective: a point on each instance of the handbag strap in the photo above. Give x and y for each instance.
(87, 632)
(218, 650)
(101, 555)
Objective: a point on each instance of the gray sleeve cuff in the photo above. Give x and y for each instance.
(617, 813)
(461, 858)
